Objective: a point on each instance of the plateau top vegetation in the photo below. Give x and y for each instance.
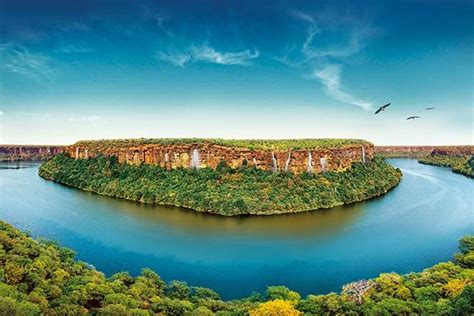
(252, 144)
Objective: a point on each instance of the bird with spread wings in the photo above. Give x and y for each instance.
(382, 108)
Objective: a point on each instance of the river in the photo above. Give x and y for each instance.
(412, 227)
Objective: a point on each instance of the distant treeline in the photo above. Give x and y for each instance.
(224, 191)
(40, 278)
(459, 164)
(422, 151)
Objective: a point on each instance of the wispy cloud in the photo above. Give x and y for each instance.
(357, 34)
(330, 77)
(206, 53)
(2, 113)
(159, 19)
(16, 59)
(326, 62)
(174, 58)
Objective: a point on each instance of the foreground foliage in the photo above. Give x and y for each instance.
(40, 278)
(459, 164)
(253, 144)
(223, 191)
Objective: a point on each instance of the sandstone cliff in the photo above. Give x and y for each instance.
(28, 152)
(207, 154)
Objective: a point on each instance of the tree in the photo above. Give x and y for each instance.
(178, 290)
(464, 303)
(455, 287)
(357, 290)
(204, 293)
(282, 293)
(275, 308)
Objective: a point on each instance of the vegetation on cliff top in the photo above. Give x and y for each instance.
(40, 278)
(253, 144)
(459, 164)
(223, 191)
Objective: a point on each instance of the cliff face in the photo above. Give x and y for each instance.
(202, 155)
(423, 151)
(28, 152)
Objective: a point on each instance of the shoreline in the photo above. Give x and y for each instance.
(228, 192)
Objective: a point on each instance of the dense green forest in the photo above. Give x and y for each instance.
(459, 164)
(223, 191)
(253, 144)
(38, 277)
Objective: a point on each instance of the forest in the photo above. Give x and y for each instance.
(223, 191)
(459, 164)
(252, 144)
(37, 277)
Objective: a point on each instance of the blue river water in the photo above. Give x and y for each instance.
(412, 227)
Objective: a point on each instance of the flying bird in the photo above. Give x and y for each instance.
(430, 108)
(413, 117)
(382, 108)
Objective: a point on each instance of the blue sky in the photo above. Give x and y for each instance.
(236, 69)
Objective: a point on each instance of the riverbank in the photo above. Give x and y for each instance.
(41, 278)
(459, 164)
(224, 191)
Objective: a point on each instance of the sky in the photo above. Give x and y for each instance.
(72, 70)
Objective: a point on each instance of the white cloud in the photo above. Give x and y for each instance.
(85, 119)
(302, 16)
(208, 54)
(330, 77)
(159, 19)
(16, 59)
(358, 32)
(176, 58)
(205, 53)
(2, 113)
(310, 55)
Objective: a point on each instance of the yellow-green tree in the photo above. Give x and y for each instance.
(275, 308)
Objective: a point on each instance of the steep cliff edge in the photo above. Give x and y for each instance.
(221, 179)
(297, 156)
(28, 152)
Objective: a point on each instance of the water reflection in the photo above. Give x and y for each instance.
(18, 164)
(298, 225)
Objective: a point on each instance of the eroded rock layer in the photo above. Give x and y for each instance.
(28, 152)
(205, 154)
